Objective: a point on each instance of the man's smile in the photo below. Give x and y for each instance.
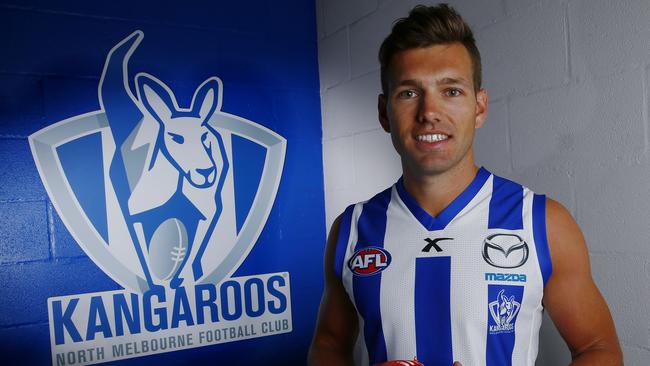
(432, 137)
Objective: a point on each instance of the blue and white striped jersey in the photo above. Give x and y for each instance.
(464, 286)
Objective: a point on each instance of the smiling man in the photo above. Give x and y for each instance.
(452, 264)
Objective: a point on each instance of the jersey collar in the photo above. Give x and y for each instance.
(445, 216)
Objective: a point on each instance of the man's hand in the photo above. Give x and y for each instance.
(457, 364)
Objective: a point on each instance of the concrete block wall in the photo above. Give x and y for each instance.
(568, 88)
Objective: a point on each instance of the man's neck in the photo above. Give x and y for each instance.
(435, 192)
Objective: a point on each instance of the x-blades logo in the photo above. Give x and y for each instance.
(433, 243)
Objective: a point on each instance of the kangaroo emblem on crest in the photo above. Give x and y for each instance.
(504, 309)
(168, 169)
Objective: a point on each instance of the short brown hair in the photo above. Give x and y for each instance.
(428, 26)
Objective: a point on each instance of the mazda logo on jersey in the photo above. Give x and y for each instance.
(369, 261)
(505, 250)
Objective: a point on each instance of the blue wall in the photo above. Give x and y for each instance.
(264, 51)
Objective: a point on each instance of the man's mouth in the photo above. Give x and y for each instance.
(433, 137)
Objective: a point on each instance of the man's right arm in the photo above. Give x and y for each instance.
(337, 325)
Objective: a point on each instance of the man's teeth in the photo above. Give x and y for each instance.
(432, 137)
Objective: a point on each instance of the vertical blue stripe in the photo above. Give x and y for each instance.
(433, 310)
(501, 341)
(539, 234)
(506, 205)
(371, 228)
(342, 240)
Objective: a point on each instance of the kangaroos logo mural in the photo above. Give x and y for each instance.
(146, 187)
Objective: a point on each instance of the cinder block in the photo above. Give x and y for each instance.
(19, 179)
(23, 4)
(242, 59)
(491, 143)
(207, 15)
(367, 34)
(24, 232)
(636, 356)
(525, 53)
(478, 13)
(337, 201)
(64, 245)
(20, 117)
(555, 179)
(608, 36)
(599, 119)
(278, 19)
(339, 13)
(552, 349)
(622, 279)
(334, 59)
(21, 105)
(41, 43)
(293, 192)
(519, 6)
(613, 201)
(338, 163)
(65, 97)
(351, 107)
(26, 287)
(292, 113)
(376, 163)
(385, 2)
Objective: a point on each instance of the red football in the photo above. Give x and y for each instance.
(414, 362)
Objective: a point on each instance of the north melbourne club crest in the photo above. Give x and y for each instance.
(503, 311)
(149, 189)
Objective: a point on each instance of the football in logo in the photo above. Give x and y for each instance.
(369, 261)
(168, 248)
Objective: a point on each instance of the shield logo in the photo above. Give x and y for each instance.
(156, 194)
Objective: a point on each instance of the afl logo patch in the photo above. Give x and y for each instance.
(369, 261)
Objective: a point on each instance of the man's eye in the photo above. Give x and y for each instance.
(407, 94)
(453, 92)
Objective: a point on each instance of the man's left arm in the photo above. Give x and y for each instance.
(571, 297)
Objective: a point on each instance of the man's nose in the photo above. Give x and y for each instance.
(429, 109)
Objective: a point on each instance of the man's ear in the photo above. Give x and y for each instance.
(382, 112)
(481, 108)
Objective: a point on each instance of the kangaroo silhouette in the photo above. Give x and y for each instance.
(168, 168)
(507, 308)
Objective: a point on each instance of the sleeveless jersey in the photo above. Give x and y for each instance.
(466, 285)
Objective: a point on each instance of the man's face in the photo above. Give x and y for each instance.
(431, 109)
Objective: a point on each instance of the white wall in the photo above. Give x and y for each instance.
(567, 81)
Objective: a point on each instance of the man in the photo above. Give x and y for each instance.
(452, 265)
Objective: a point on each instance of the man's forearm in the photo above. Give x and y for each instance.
(598, 357)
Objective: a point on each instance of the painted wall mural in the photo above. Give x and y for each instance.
(170, 193)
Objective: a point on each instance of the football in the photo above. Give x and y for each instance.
(413, 362)
(167, 249)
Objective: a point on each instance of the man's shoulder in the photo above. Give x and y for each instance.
(378, 198)
(500, 182)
